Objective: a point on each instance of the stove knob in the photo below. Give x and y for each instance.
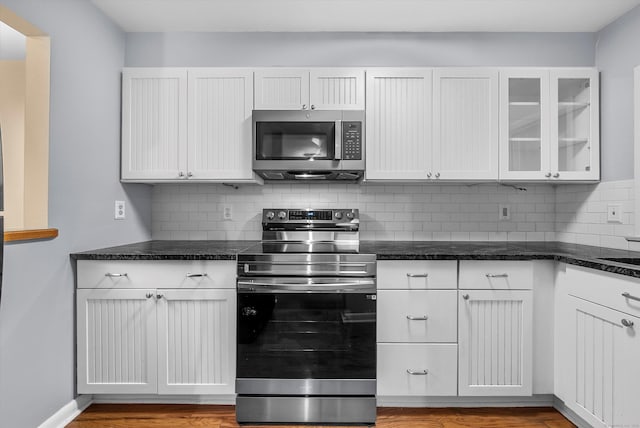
(270, 215)
(349, 215)
(338, 215)
(282, 215)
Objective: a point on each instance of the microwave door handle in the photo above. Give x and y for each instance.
(338, 141)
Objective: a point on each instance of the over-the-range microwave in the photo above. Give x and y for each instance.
(308, 144)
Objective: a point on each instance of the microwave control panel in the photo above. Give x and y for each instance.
(352, 140)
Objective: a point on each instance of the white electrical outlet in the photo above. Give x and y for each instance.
(119, 213)
(227, 212)
(614, 213)
(504, 212)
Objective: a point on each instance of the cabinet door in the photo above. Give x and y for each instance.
(220, 104)
(281, 89)
(465, 124)
(495, 334)
(336, 89)
(603, 365)
(575, 143)
(116, 341)
(524, 124)
(154, 124)
(398, 124)
(196, 342)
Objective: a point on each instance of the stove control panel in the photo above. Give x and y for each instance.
(306, 216)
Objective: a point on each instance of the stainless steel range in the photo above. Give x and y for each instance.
(307, 321)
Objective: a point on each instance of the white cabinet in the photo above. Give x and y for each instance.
(314, 89)
(416, 328)
(398, 122)
(598, 346)
(495, 329)
(187, 124)
(154, 123)
(465, 124)
(154, 340)
(549, 124)
(432, 125)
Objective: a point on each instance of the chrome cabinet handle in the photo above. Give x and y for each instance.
(181, 174)
(116, 275)
(465, 296)
(313, 107)
(196, 275)
(417, 275)
(548, 174)
(149, 295)
(626, 295)
(159, 296)
(189, 174)
(556, 175)
(497, 275)
(422, 318)
(304, 106)
(626, 323)
(429, 174)
(437, 175)
(417, 372)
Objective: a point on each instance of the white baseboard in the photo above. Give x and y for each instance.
(68, 412)
(539, 400)
(164, 399)
(573, 417)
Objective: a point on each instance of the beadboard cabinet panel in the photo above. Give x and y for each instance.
(465, 124)
(337, 89)
(220, 105)
(281, 89)
(196, 342)
(154, 123)
(398, 116)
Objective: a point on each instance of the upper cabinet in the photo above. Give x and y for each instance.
(549, 125)
(432, 125)
(187, 124)
(309, 89)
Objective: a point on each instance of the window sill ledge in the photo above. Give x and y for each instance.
(30, 235)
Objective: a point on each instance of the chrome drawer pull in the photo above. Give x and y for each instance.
(149, 295)
(422, 318)
(465, 296)
(417, 275)
(497, 275)
(196, 275)
(417, 372)
(115, 275)
(629, 296)
(626, 323)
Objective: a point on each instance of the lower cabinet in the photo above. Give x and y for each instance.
(495, 342)
(603, 366)
(156, 341)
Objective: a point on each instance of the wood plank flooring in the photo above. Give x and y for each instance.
(210, 416)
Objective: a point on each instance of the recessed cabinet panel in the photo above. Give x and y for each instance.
(417, 274)
(281, 89)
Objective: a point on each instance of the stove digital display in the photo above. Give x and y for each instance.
(310, 215)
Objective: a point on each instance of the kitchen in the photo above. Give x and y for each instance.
(88, 54)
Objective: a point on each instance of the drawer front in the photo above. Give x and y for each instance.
(618, 292)
(417, 274)
(401, 316)
(156, 274)
(496, 275)
(395, 361)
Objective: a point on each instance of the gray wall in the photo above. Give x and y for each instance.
(359, 49)
(617, 53)
(37, 308)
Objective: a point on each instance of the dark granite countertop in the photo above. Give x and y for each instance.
(581, 255)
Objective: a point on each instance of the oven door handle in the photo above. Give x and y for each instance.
(247, 267)
(269, 287)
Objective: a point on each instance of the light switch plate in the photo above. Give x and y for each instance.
(614, 213)
(227, 212)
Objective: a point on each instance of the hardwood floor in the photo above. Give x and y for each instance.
(207, 416)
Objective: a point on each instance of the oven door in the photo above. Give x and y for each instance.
(300, 336)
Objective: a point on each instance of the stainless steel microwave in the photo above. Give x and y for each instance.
(308, 144)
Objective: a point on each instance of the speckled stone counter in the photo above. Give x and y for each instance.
(581, 255)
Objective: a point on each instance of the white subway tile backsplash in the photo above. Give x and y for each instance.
(569, 213)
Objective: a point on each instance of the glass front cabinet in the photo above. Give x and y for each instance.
(549, 125)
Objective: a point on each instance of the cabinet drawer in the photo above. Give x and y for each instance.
(605, 289)
(156, 274)
(496, 275)
(396, 307)
(417, 274)
(395, 361)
